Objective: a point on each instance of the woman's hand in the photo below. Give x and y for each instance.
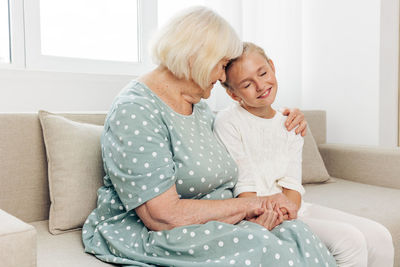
(256, 208)
(295, 118)
(287, 207)
(271, 217)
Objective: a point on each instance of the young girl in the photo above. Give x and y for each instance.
(269, 160)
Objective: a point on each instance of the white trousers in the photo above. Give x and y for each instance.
(353, 240)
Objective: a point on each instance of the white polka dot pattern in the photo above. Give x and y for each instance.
(147, 148)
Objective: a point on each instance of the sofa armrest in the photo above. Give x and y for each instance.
(363, 164)
(17, 242)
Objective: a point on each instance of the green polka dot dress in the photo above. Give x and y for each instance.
(147, 148)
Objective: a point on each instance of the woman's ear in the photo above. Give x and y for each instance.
(271, 63)
(233, 95)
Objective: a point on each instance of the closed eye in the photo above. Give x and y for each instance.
(262, 74)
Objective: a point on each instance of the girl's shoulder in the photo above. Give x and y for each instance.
(228, 114)
(291, 135)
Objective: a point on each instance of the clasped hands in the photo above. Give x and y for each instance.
(273, 211)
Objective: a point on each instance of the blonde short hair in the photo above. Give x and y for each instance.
(192, 43)
(248, 47)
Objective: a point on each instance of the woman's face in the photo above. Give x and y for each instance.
(217, 74)
(253, 81)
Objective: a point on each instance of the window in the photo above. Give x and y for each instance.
(4, 33)
(92, 29)
(91, 36)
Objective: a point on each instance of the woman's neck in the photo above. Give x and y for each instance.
(266, 112)
(179, 94)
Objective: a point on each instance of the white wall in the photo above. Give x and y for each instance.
(340, 56)
(349, 63)
(29, 91)
(275, 26)
(388, 82)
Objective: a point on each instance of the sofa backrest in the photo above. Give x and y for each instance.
(317, 122)
(24, 190)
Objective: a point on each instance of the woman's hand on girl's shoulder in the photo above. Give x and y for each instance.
(295, 118)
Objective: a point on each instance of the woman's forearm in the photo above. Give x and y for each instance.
(165, 212)
(247, 194)
(201, 211)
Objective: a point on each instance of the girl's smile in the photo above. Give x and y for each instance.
(253, 83)
(266, 93)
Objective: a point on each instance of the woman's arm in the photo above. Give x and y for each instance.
(167, 211)
(247, 194)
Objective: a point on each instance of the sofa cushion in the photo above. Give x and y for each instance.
(64, 250)
(314, 170)
(75, 169)
(369, 201)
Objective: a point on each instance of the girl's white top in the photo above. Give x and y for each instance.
(268, 156)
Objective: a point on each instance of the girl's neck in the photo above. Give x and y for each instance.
(266, 112)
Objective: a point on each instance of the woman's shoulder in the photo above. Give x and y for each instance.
(134, 100)
(134, 92)
(136, 95)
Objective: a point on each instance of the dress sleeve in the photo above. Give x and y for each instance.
(230, 136)
(136, 153)
(292, 178)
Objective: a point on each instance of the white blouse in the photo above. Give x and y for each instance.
(268, 156)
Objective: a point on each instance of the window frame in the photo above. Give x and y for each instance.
(26, 43)
(16, 33)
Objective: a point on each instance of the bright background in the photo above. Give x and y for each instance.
(336, 55)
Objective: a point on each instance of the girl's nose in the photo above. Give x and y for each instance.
(259, 85)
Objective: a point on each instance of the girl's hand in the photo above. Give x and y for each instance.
(287, 207)
(270, 217)
(281, 216)
(295, 118)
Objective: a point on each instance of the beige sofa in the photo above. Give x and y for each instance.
(368, 185)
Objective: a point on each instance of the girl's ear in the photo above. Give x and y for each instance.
(271, 63)
(233, 95)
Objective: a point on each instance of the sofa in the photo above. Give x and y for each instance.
(361, 180)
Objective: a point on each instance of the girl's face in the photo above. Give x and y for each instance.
(253, 81)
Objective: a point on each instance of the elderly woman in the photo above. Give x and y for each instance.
(167, 195)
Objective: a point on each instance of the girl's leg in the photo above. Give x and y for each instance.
(346, 243)
(360, 232)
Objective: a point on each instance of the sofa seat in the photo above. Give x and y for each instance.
(370, 187)
(364, 200)
(65, 250)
